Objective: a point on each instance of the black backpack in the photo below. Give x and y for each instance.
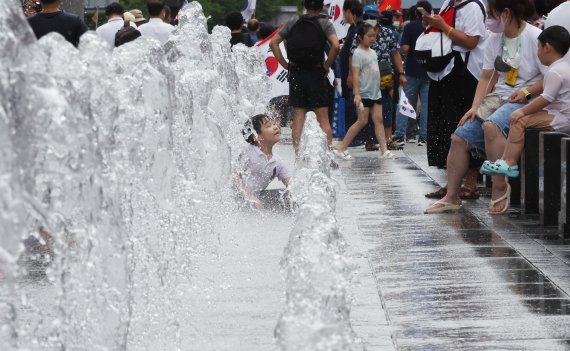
(126, 34)
(306, 42)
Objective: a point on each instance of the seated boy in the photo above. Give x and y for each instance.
(257, 165)
(553, 44)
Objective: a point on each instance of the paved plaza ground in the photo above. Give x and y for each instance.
(464, 281)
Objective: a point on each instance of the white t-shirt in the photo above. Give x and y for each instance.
(257, 171)
(530, 68)
(557, 92)
(470, 20)
(560, 16)
(109, 29)
(157, 29)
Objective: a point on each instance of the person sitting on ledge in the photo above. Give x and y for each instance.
(257, 165)
(550, 111)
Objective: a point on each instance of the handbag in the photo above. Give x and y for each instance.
(490, 103)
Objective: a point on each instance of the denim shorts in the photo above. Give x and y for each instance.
(472, 131)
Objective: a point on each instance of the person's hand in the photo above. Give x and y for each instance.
(469, 115)
(357, 100)
(286, 66)
(326, 67)
(403, 80)
(435, 21)
(516, 115)
(349, 81)
(518, 97)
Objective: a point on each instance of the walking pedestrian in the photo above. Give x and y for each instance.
(308, 83)
(367, 95)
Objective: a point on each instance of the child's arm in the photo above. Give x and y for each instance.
(537, 105)
(356, 85)
(240, 187)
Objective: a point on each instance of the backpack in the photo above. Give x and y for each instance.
(126, 34)
(434, 48)
(306, 42)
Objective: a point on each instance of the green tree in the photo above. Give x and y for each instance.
(135, 4)
(218, 9)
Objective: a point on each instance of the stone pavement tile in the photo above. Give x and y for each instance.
(450, 281)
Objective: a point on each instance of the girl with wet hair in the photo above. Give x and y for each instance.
(257, 165)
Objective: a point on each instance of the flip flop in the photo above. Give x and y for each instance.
(344, 154)
(500, 167)
(506, 196)
(447, 207)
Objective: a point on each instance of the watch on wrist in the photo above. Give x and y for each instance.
(527, 94)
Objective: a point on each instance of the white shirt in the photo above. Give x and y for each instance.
(530, 68)
(557, 92)
(109, 29)
(470, 20)
(560, 16)
(257, 171)
(157, 29)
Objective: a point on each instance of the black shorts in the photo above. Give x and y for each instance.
(308, 89)
(370, 103)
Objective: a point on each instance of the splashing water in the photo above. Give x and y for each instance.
(316, 315)
(114, 175)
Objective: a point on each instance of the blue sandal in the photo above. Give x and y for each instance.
(500, 167)
(488, 169)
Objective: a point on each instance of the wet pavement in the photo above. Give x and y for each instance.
(459, 281)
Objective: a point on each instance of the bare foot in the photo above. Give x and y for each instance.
(499, 207)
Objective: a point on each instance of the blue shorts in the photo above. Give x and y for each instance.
(472, 131)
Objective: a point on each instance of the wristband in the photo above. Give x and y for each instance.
(527, 94)
(450, 30)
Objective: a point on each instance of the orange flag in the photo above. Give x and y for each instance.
(390, 5)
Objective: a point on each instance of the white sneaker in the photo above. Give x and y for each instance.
(412, 140)
(389, 155)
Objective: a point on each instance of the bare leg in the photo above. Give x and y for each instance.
(297, 127)
(513, 153)
(354, 129)
(323, 118)
(471, 179)
(457, 166)
(388, 133)
(495, 143)
(378, 121)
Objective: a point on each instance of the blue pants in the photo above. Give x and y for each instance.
(414, 88)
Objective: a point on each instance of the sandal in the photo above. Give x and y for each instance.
(445, 207)
(392, 145)
(469, 194)
(389, 155)
(506, 196)
(438, 194)
(344, 154)
(500, 167)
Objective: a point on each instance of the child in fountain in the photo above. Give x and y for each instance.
(549, 111)
(258, 166)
